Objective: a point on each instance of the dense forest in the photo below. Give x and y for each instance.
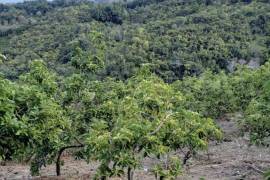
(121, 81)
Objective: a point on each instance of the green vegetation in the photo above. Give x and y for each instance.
(126, 81)
(147, 121)
(178, 38)
(210, 94)
(257, 112)
(32, 121)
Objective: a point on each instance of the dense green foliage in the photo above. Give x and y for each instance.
(178, 38)
(210, 94)
(147, 121)
(32, 121)
(245, 90)
(118, 122)
(257, 112)
(130, 80)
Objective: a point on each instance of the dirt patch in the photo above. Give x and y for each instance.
(233, 159)
(230, 160)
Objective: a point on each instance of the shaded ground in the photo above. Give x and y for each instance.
(232, 159)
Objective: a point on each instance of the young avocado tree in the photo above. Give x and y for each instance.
(33, 124)
(257, 112)
(77, 98)
(248, 84)
(10, 142)
(210, 94)
(147, 120)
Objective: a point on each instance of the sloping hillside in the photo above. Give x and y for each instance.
(177, 37)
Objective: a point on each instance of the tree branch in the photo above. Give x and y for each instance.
(160, 125)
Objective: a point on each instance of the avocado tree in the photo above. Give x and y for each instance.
(258, 110)
(147, 120)
(33, 124)
(210, 94)
(78, 90)
(10, 142)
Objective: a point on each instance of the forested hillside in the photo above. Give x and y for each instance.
(121, 81)
(176, 37)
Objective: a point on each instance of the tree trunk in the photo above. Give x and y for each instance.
(130, 174)
(187, 157)
(161, 178)
(58, 160)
